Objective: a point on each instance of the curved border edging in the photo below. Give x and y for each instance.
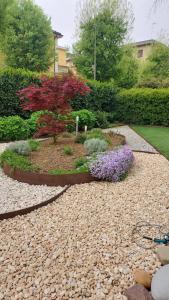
(47, 179)
(24, 211)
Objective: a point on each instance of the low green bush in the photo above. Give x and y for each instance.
(97, 133)
(95, 145)
(68, 150)
(144, 106)
(34, 145)
(16, 161)
(102, 119)
(13, 128)
(81, 162)
(32, 121)
(86, 117)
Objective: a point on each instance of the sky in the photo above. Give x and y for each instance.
(150, 23)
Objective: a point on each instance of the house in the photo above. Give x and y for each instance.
(143, 49)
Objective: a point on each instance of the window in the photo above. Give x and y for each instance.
(140, 53)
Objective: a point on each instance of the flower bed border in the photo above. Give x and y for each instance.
(26, 210)
(47, 179)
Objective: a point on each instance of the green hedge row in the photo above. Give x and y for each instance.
(12, 80)
(143, 106)
(101, 98)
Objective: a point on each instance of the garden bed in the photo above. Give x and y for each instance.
(51, 156)
(50, 165)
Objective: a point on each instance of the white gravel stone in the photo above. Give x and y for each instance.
(15, 195)
(81, 246)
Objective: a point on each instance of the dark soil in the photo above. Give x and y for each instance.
(51, 156)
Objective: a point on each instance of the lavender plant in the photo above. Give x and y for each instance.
(95, 145)
(113, 165)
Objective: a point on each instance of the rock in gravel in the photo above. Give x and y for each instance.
(163, 254)
(160, 284)
(138, 292)
(142, 277)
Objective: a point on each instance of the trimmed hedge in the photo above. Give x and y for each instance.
(11, 81)
(14, 128)
(143, 106)
(101, 98)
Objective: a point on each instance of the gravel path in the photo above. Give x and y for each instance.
(135, 141)
(15, 195)
(80, 247)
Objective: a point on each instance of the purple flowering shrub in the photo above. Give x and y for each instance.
(113, 165)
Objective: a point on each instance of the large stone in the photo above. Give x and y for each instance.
(143, 277)
(160, 284)
(163, 255)
(138, 292)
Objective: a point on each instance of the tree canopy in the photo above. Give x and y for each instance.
(103, 26)
(157, 65)
(28, 37)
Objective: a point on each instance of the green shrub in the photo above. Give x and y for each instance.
(95, 145)
(144, 106)
(97, 133)
(101, 98)
(68, 150)
(86, 117)
(17, 161)
(81, 162)
(22, 148)
(11, 81)
(80, 138)
(32, 121)
(102, 119)
(13, 128)
(34, 145)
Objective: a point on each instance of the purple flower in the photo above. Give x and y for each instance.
(112, 165)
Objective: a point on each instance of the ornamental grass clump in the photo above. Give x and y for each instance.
(113, 165)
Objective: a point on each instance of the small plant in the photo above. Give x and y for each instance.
(22, 148)
(17, 161)
(86, 117)
(83, 169)
(113, 165)
(95, 146)
(81, 162)
(34, 145)
(80, 138)
(68, 150)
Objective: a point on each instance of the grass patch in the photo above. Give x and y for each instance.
(157, 136)
(16, 161)
(82, 169)
(68, 150)
(80, 162)
(34, 145)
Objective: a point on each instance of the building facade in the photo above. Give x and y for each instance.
(143, 49)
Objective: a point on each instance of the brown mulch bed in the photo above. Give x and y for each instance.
(51, 156)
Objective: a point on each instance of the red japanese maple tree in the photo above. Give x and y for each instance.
(54, 95)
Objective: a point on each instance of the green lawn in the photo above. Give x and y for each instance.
(157, 136)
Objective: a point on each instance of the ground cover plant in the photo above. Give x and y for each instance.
(157, 136)
(113, 165)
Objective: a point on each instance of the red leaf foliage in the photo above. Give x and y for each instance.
(53, 94)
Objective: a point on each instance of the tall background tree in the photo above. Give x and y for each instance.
(103, 26)
(157, 65)
(28, 37)
(127, 68)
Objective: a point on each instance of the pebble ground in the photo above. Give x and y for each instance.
(81, 246)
